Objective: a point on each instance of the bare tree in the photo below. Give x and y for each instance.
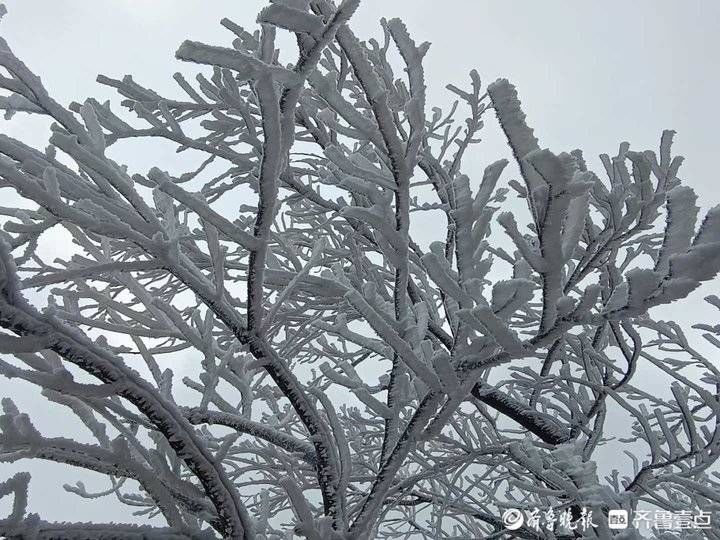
(352, 384)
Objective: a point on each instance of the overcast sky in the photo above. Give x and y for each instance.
(590, 75)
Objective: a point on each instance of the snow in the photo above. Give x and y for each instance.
(340, 379)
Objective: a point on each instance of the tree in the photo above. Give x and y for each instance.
(352, 384)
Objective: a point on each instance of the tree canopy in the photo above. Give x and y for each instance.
(348, 382)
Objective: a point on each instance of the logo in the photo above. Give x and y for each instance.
(618, 519)
(513, 519)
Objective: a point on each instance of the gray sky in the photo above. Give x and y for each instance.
(589, 74)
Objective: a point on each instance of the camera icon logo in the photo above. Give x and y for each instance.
(618, 519)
